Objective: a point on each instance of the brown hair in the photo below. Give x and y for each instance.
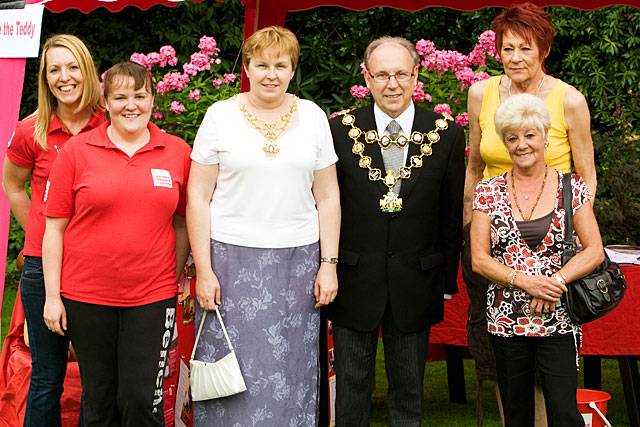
(274, 37)
(528, 21)
(140, 75)
(47, 102)
(400, 41)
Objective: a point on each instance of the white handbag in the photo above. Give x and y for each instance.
(211, 380)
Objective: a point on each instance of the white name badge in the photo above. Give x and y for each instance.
(161, 178)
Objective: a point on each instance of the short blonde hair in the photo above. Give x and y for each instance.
(522, 111)
(280, 39)
(47, 102)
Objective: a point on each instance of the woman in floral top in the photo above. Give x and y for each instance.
(517, 232)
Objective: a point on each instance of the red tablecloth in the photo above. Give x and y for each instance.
(453, 329)
(616, 334)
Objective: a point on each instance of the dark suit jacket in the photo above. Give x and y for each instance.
(410, 257)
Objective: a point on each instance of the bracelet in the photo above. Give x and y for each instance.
(560, 278)
(332, 260)
(561, 274)
(511, 279)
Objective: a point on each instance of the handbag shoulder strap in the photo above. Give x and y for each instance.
(224, 330)
(567, 203)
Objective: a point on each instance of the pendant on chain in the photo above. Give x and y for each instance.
(270, 130)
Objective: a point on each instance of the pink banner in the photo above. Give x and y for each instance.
(10, 94)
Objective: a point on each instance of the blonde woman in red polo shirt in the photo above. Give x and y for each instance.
(68, 103)
(114, 242)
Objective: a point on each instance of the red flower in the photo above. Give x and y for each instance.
(530, 327)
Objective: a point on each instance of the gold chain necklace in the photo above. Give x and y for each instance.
(515, 194)
(390, 202)
(385, 141)
(271, 130)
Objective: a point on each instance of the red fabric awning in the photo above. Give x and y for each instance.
(413, 5)
(277, 7)
(86, 6)
(260, 13)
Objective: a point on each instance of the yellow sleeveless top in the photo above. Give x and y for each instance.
(492, 150)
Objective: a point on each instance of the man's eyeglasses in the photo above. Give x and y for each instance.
(400, 76)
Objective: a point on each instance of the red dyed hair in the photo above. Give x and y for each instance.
(528, 21)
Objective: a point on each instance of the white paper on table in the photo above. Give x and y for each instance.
(622, 254)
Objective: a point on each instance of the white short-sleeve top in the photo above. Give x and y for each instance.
(261, 202)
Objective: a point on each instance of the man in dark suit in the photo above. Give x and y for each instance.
(401, 175)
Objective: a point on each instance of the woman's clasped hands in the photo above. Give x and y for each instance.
(546, 292)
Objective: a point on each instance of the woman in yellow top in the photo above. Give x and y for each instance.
(524, 35)
(523, 39)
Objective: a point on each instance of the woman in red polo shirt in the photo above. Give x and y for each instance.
(114, 242)
(68, 103)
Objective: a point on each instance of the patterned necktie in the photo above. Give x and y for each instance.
(393, 156)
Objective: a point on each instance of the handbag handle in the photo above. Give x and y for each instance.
(569, 249)
(224, 330)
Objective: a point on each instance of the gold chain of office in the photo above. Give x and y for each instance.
(271, 130)
(390, 201)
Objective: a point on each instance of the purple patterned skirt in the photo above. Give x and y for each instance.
(267, 307)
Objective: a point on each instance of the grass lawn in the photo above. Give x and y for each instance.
(439, 412)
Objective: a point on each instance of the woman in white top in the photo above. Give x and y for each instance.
(263, 216)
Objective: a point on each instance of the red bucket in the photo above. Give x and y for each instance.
(592, 405)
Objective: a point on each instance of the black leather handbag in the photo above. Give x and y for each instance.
(598, 293)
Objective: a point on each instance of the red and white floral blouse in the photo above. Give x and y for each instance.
(508, 311)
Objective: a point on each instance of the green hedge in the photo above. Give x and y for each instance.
(596, 51)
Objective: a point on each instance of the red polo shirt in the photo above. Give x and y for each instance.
(24, 151)
(119, 245)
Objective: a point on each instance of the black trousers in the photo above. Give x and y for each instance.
(355, 360)
(122, 353)
(555, 359)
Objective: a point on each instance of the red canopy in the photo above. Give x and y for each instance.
(260, 13)
(268, 12)
(86, 6)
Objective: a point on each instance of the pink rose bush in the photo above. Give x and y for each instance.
(462, 119)
(176, 107)
(442, 108)
(183, 93)
(359, 92)
(446, 75)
